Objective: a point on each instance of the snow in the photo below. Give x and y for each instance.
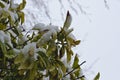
(5, 38)
(2, 36)
(8, 11)
(48, 29)
(30, 49)
(16, 51)
(72, 36)
(39, 26)
(29, 46)
(42, 27)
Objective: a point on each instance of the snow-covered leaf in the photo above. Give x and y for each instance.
(39, 26)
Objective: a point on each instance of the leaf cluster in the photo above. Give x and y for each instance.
(45, 53)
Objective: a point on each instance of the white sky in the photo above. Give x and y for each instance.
(99, 31)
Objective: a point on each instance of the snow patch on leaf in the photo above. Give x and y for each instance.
(5, 38)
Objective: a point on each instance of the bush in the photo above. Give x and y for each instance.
(45, 52)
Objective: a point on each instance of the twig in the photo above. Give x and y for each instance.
(74, 69)
(80, 77)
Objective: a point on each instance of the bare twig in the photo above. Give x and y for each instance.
(74, 69)
(80, 77)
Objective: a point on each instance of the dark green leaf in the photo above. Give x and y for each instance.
(3, 48)
(97, 76)
(10, 54)
(67, 21)
(62, 52)
(2, 5)
(2, 26)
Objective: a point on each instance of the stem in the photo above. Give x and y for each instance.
(80, 77)
(74, 69)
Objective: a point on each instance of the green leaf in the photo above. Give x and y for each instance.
(69, 53)
(2, 5)
(3, 48)
(19, 59)
(62, 52)
(97, 76)
(10, 54)
(72, 77)
(32, 72)
(2, 26)
(11, 20)
(67, 21)
(5, 14)
(51, 49)
(62, 66)
(22, 5)
(43, 60)
(76, 60)
(21, 16)
(77, 42)
(69, 31)
(36, 38)
(27, 63)
(61, 35)
(75, 65)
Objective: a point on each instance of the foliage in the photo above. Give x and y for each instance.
(45, 53)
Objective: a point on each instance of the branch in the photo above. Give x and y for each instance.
(74, 69)
(80, 77)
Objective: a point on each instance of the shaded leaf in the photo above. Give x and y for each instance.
(2, 5)
(62, 52)
(19, 59)
(3, 48)
(10, 54)
(2, 26)
(27, 63)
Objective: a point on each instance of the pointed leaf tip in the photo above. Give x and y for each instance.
(97, 76)
(68, 21)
